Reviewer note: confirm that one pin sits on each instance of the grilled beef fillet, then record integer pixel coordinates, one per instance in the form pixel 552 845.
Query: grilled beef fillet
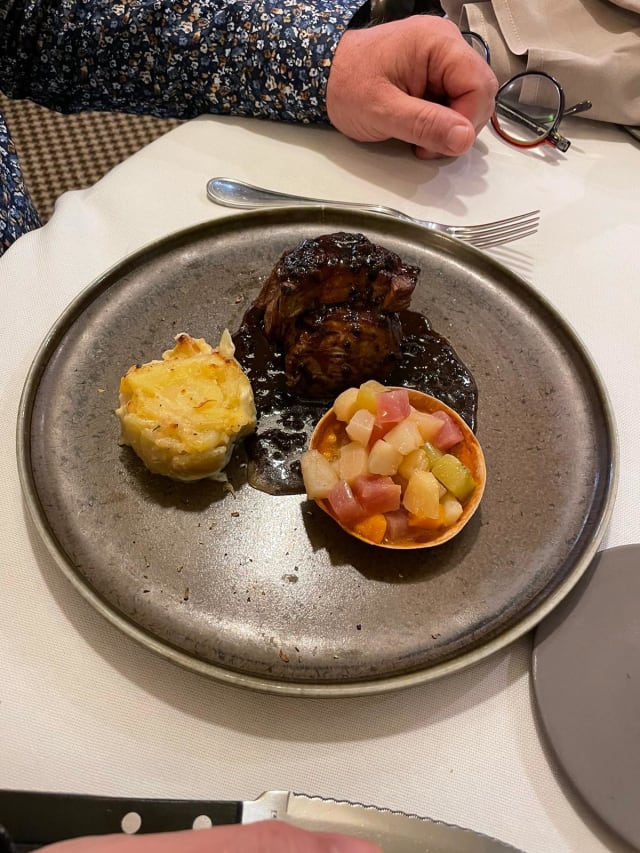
pixel 332 304
pixel 337 347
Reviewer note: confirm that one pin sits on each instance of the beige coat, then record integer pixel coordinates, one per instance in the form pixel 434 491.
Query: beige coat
pixel 592 47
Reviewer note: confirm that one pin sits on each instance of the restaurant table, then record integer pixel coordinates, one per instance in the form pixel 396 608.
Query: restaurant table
pixel 84 708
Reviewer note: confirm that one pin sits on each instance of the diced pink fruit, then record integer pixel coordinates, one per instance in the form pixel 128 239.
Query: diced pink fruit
pixel 377 494
pixel 346 507
pixel 379 431
pixel 450 433
pixel 393 406
pixel 397 525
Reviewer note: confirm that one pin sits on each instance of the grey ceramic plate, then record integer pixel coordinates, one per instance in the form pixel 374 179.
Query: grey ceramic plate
pixel 267 592
pixel 586 677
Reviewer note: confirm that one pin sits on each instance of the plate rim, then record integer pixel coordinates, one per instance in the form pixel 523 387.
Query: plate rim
pixel 313 215
pixel 544 634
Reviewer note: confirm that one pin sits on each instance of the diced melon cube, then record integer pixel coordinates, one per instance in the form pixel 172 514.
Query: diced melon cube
pixel 377 494
pixel 372 528
pixel 343 503
pixel 397 525
pixel 346 404
pixel 372 385
pixel 417 459
pixel 428 425
pixel 450 433
pixel 451 510
pixel 427 523
pixel 455 475
pixel 360 426
pixel 353 461
pixel 384 458
pixel 405 437
pixel 422 495
pixel 392 406
pixel 367 394
pixel 318 474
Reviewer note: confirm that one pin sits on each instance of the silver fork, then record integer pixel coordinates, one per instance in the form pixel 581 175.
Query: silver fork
pixel 231 193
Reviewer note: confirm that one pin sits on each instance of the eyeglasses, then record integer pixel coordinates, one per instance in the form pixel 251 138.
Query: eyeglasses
pixel 529 106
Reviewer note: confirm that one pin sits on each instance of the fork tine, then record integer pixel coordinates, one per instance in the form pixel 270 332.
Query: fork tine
pixel 499 232
pixel 502 232
pixel 500 238
pixel 499 226
pixel 509 219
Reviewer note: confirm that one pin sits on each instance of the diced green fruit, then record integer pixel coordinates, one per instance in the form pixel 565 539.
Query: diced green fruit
pixel 455 475
pixel 432 452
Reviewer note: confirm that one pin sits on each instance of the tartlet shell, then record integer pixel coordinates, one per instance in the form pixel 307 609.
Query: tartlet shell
pixel 470 453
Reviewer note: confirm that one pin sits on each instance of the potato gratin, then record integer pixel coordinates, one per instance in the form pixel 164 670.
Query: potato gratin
pixel 183 415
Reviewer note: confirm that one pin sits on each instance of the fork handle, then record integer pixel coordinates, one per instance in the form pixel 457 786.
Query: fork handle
pixel 231 193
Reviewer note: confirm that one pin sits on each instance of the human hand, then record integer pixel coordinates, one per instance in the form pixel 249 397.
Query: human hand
pixel 270 836
pixel 382 77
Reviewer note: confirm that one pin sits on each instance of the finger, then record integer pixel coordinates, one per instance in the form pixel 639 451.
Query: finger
pixel 447 70
pixel 263 837
pixel 433 128
pixel 477 110
pixel 469 83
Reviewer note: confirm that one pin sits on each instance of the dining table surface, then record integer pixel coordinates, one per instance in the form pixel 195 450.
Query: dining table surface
pixel 85 708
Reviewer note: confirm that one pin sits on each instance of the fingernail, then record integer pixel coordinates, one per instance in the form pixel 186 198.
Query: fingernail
pixel 458 139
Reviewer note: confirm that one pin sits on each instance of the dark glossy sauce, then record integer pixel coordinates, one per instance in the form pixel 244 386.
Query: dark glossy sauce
pixel 285 421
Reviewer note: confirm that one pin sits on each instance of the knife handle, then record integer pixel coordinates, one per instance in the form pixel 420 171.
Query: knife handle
pixel 34 818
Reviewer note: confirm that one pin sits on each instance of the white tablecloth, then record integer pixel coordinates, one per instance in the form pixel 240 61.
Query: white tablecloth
pixel 84 708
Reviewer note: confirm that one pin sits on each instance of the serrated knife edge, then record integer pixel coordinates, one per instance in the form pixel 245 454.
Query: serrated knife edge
pixel 401 831
pixel 36 818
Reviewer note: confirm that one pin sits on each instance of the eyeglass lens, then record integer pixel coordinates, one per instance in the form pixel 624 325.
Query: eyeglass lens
pixel 528 108
pixel 478 44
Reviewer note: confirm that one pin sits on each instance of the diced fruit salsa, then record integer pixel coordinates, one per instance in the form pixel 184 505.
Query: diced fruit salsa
pixel 394 467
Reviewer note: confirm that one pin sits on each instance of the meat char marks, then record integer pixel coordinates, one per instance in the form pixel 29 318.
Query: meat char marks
pixel 332 304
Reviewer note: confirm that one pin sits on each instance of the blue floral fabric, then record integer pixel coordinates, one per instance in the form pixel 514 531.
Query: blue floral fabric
pixel 167 58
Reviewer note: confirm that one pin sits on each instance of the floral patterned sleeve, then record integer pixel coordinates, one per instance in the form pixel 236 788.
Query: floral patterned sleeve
pixel 17 213
pixel 169 58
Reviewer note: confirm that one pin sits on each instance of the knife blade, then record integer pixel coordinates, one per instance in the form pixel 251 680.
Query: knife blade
pixel 34 818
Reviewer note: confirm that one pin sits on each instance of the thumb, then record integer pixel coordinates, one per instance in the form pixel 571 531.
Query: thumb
pixel 433 128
